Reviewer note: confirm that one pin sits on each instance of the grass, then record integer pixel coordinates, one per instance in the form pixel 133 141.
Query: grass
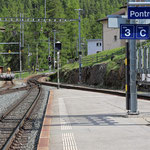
pixel 68 67
pixel 102 57
pixel 27 74
pixel 115 63
pixel 23 75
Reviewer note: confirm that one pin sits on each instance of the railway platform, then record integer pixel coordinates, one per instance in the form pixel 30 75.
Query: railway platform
pixel 82 120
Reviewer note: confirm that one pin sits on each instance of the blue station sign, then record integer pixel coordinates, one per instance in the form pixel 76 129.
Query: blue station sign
pixel 138 12
pixel 127 31
pixel 135 31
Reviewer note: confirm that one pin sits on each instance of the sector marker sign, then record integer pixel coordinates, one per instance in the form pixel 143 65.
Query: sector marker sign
pixel 135 31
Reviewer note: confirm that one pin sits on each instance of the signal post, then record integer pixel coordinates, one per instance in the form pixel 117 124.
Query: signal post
pixel 58 48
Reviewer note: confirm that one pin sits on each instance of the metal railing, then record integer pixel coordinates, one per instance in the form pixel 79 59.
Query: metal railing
pixel 143 60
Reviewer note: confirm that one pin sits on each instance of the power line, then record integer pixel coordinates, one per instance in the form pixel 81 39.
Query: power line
pixel 23 19
pixel 10 43
pixel 12 53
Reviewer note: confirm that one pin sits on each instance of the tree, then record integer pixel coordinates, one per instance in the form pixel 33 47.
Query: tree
pixel 67 32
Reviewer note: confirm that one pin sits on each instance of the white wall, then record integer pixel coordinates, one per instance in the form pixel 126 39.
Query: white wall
pixel 94 46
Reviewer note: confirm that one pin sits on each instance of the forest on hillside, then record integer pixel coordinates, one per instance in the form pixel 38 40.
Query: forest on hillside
pixel 36 34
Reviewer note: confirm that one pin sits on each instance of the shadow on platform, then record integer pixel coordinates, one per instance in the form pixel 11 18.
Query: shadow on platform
pixel 92 120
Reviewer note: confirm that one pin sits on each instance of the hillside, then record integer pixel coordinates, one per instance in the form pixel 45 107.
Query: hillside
pixel 105 69
pixel 36 34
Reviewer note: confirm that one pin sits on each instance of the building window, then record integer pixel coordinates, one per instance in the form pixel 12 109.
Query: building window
pixel 98 44
pixel 115 38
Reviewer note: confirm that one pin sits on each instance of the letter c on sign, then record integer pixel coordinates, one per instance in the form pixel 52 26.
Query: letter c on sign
pixel 143 33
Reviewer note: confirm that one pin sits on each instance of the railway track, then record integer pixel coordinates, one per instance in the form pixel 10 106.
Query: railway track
pixel 10 90
pixel 13 119
pixel 8 87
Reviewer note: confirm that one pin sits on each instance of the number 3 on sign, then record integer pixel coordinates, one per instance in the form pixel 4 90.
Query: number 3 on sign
pixel 127 32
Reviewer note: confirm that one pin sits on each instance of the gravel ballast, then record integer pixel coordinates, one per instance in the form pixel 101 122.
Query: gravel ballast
pixel 32 130
pixel 8 99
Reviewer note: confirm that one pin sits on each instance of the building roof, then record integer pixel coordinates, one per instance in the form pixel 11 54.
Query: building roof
pixel 120 12
pixel 89 40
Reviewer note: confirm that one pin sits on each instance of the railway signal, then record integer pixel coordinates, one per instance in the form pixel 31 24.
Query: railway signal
pixel 49 60
pixel 58 45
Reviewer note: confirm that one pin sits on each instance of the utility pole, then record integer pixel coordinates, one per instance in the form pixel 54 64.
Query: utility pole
pixel 133 88
pixel 77 49
pixel 49 53
pixel 37 58
pixel 80 52
pixel 49 46
pixel 132 59
pixel 20 47
pixel 22 31
pixel 54 47
pixel 45 8
pixel 58 79
pixel 28 58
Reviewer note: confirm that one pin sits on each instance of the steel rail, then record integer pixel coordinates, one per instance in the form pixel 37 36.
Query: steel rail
pixel 22 121
pixel 9 90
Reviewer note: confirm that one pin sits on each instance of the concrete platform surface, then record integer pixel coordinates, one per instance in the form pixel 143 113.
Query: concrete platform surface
pixel 81 120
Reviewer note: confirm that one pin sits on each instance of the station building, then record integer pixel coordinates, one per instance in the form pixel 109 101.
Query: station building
pixel 111 36
pixel 94 46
